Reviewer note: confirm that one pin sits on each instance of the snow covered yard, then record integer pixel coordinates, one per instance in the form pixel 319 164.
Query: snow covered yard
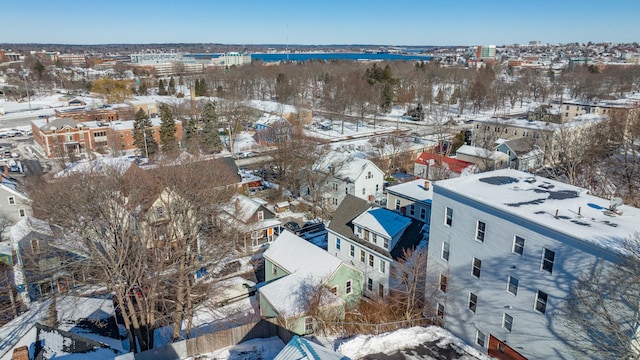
pixel 417 343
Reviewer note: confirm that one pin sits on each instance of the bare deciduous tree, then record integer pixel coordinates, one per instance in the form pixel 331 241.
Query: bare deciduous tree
pixel 602 311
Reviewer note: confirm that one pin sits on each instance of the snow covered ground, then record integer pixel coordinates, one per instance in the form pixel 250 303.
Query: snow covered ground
pixel 417 343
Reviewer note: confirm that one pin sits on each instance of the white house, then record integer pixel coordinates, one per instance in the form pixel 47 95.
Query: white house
pixel 505 249
pixel 412 199
pixel 353 176
pixel 371 239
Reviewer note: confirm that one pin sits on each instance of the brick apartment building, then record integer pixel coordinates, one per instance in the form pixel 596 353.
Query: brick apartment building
pixel 66 136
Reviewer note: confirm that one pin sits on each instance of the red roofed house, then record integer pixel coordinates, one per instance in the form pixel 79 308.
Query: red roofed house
pixel 437 167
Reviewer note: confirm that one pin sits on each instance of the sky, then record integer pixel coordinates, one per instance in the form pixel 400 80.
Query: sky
pixel 319 22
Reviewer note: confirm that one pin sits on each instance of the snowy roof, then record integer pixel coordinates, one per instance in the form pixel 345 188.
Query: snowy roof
pixel 270 119
pixel 271 106
pixel 242 207
pixel 383 221
pixel 353 169
pixel 543 125
pixel 303 349
pixel 14 333
pixel 454 165
pixel 308 265
pixel 552 204
pixel 294 254
pixel 479 152
pixel 121 164
pixel 414 190
pixel 28 224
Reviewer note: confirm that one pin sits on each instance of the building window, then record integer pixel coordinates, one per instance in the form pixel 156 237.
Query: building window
pixel 380 290
pixel 477 265
pixel 385 243
pixel 383 266
pixel 480 228
pixel 369 175
pixel 473 302
pixel 518 245
pixel 443 283
pixel 347 287
pixel 34 246
pixel 361 255
pixel 337 243
pixel 445 251
pixel 370 260
pixel 346 190
pixel 334 290
pixel 260 215
pixel 507 322
pixel 308 325
pixel 377 187
pixel 423 213
pixel 365 234
pixel 512 285
pixel 397 204
pixel 440 311
pixel 412 209
pixel 370 284
pixel 374 238
pixel 448 216
pixel 352 250
pixel 363 191
pixel 274 270
pixel 548 257
pixel 541 301
pixel 480 338
pixel 159 212
pixel 22 213
pixel 12 200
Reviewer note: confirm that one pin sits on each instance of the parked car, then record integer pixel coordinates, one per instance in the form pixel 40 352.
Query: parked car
pixel 293 226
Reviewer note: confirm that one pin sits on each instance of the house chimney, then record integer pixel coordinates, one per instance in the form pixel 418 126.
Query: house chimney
pixel 426 184
pixel 47 118
pixel 6 171
pixel 21 353
pixel 372 198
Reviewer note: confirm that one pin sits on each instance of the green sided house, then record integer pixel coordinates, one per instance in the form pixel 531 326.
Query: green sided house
pixel 304 283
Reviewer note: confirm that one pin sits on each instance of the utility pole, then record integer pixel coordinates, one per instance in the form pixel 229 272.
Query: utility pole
pixel 24 77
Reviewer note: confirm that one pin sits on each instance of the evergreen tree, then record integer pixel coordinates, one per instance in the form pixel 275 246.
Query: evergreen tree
pixel 161 88
pixel 210 138
pixel 197 87
pixel 190 139
pixel 142 134
pixel 142 90
pixel 167 130
pixel 172 86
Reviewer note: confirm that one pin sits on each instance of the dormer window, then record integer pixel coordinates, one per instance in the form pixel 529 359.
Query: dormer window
pixel 260 215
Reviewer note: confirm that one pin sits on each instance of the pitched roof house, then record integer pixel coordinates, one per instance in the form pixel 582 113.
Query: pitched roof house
pixel 300 274
pixel 437 167
pixel 372 239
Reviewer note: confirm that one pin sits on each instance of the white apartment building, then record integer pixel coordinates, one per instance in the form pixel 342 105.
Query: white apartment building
pixel 505 249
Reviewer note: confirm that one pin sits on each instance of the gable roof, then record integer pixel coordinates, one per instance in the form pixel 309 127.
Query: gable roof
pixel 522 146
pixel 479 152
pixel 60 124
pixel 29 224
pixel 303 349
pixel 454 165
pixel 349 209
pixel 308 266
pixel 382 221
pixel 414 190
pixel 295 254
